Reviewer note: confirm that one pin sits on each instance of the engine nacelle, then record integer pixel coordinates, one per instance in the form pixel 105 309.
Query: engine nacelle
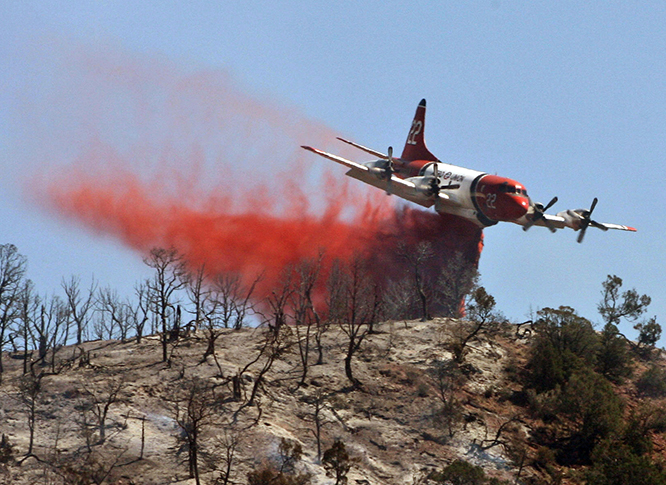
pixel 572 218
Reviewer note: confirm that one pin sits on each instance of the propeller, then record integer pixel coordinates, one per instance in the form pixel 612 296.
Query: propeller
pixel 586 220
pixel 434 184
pixel 389 170
pixel 539 213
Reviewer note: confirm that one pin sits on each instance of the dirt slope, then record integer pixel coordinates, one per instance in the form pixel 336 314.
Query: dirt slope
pixel 393 426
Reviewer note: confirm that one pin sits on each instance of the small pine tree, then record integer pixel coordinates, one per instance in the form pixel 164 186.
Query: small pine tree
pixel 6 450
pixel 613 357
pixel 649 332
pixel 615 464
pixel 460 472
pixel 652 383
pixel 594 412
pixel 337 462
pixel 565 342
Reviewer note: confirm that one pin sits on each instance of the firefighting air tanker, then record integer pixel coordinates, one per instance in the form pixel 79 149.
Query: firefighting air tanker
pixel 418 176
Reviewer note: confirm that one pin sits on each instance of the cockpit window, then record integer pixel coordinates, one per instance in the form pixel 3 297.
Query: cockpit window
pixel 512 189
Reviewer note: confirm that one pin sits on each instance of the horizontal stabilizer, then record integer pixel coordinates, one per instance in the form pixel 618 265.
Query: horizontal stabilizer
pixel 365 149
pixel 335 158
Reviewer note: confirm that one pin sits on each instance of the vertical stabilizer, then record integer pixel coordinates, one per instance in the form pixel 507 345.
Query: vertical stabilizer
pixel 415 147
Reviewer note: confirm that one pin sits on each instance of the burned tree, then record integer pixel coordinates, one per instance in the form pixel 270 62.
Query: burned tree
pixel 226 306
pixel 100 401
pixel 337 462
pixel 275 341
pixel 48 329
pixel 30 389
pixel 354 305
pixel 12 272
pixel 198 295
pixel 273 345
pixel 119 312
pixel 29 313
pixel 228 443
pixel 456 280
pixel 194 408
pixel 80 306
pixel 481 314
pixel 232 299
pixel 305 314
pixel 139 313
pixel 316 417
pixel 417 259
pixel 169 277
pixel 447 379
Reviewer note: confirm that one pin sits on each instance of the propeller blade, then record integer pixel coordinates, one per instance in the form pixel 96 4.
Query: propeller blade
pixel 582 234
pixel 550 204
pixel 389 171
pixel 587 221
pixel 594 204
pixel 598 225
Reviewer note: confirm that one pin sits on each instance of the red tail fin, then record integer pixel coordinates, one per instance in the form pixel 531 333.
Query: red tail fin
pixel 415 148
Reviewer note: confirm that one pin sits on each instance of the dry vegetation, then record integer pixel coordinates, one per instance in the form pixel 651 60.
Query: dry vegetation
pixel 320 393
pixel 414 410
pixel 393 425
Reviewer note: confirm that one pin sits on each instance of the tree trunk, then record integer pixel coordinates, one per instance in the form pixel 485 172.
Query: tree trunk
pixel 2 339
pixel 348 368
pixel 164 340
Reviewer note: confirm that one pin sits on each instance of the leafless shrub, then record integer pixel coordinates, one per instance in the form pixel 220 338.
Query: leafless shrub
pixel 194 407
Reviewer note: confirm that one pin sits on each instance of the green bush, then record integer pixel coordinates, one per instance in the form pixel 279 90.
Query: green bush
pixel 593 413
pixel 613 357
pixel 615 464
pixel 653 382
pixel 565 342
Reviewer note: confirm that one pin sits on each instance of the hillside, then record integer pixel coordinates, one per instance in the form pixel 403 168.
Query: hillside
pixel 415 411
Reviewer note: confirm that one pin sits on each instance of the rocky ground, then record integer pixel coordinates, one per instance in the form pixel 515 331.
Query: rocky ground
pixel 395 426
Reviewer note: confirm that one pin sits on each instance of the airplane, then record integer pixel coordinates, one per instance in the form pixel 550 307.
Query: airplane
pixel 420 177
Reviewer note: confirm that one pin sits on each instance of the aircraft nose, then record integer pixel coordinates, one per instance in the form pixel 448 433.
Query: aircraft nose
pixel 515 207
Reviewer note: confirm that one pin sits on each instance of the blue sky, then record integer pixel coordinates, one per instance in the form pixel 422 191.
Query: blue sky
pixel 568 98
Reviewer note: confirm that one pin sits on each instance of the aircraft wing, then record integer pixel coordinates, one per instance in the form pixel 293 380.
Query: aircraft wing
pixel 548 220
pixel 620 227
pixel 400 187
pixel 573 220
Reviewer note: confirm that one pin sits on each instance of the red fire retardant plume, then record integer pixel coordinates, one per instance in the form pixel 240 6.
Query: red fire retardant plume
pixel 176 156
pixel 256 242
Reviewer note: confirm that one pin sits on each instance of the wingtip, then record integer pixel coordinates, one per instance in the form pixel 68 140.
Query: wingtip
pixel 423 103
